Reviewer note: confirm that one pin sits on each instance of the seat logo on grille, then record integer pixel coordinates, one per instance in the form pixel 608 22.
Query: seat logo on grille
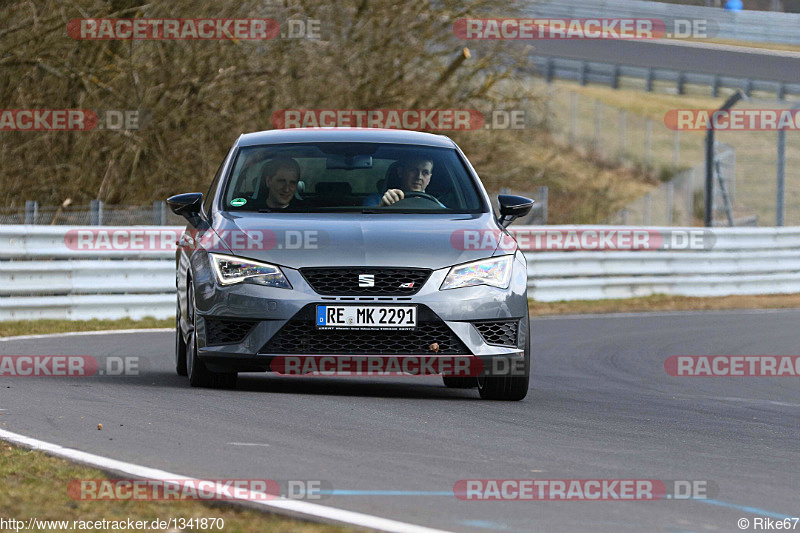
pixel 366 280
pixel 409 285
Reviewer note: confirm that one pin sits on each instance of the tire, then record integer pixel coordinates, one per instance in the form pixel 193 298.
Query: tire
pixel 199 374
pixel 509 388
pixel 180 345
pixel 454 382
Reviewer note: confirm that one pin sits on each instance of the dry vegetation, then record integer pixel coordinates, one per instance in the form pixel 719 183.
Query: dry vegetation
pixel 198 96
pixel 35 485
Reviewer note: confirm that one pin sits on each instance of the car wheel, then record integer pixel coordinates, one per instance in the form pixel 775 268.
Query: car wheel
pixel 509 388
pixel 453 382
pixel 180 345
pixel 199 374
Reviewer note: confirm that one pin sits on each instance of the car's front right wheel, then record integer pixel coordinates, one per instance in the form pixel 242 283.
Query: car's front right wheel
pixel 180 345
pixel 198 372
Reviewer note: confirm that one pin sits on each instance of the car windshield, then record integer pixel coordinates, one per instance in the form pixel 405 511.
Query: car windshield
pixel 323 177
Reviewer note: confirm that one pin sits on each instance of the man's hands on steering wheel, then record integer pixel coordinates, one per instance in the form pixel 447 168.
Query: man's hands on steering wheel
pixel 393 197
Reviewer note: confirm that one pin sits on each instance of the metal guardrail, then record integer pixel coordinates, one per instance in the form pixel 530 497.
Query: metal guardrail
pixel 586 72
pixel 743 261
pixel 41 277
pixel 758 26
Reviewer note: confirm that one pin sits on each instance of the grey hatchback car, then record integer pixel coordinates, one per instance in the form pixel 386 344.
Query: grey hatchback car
pixel 344 243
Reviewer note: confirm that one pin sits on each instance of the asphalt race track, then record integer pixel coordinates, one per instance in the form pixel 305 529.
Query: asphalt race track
pixel 601 406
pixel 768 65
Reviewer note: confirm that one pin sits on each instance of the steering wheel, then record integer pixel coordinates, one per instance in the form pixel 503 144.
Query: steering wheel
pixel 416 197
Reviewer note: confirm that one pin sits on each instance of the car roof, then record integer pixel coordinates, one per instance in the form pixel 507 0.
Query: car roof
pixel 373 135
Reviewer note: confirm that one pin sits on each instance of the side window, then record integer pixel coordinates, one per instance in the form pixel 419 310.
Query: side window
pixel 209 198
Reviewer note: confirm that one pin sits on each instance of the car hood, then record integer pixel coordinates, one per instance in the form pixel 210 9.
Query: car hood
pixel 355 239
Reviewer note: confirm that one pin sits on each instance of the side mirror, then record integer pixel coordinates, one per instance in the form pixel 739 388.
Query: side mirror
pixel 186 204
pixel 513 207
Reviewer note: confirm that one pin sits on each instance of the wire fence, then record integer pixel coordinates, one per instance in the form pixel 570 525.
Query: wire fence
pixel 94 214
pixel 755 26
pixel 746 172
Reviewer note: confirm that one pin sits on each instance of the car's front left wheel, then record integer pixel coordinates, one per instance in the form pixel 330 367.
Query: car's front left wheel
pixel 513 387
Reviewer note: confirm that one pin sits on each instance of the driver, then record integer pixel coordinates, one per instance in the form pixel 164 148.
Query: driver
pixel 415 174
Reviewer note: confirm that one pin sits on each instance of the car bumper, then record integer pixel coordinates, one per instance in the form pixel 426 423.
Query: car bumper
pixel 259 313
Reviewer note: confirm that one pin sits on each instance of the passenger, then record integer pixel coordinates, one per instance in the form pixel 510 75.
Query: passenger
pixel 281 176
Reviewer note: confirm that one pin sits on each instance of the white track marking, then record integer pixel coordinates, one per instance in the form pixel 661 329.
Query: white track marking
pixel 729 48
pixel 239 443
pixel 292 507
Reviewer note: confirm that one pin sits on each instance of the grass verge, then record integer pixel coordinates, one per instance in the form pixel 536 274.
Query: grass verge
pixel 35 486
pixel 749 44
pixel 658 302
pixel 665 303
pixel 41 327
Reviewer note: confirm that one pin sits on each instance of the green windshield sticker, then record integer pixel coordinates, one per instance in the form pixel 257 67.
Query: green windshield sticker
pixel 238 202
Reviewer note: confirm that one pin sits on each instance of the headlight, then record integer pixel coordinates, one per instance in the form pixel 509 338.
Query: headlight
pixel 495 272
pixel 231 270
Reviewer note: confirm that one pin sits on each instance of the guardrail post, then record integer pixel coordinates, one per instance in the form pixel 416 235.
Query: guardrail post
pixel 748 88
pixel 780 205
pixel 715 86
pixel 584 74
pixel 681 83
pixel 615 78
pixel 550 69
pixel 690 190
pixel 650 78
pixel 543 199
pixel 781 91
pixel 31 211
pixel 96 213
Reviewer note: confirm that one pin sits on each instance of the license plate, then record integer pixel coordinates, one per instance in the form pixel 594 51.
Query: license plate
pixel 366 316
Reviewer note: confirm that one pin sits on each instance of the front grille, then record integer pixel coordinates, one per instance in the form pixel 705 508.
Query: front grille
pixel 220 331
pixel 345 281
pixel 300 335
pixel 501 333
